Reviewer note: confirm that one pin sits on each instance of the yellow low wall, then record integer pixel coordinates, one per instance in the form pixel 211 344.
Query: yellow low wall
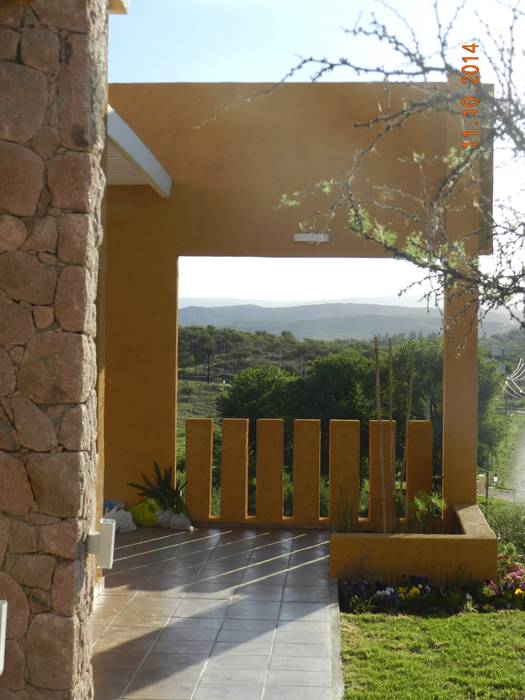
pixel 468 556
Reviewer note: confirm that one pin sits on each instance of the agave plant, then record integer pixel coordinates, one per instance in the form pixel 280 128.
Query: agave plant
pixel 169 495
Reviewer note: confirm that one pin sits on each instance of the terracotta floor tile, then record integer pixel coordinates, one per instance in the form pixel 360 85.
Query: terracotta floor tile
pixel 216 615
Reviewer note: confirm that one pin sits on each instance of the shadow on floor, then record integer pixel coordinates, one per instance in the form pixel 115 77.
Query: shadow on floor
pixel 218 615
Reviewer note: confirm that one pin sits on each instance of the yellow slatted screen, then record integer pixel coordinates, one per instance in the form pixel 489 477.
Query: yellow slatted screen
pixel 418 457
pixel 234 470
pixel 344 473
pixel 374 479
pixel 306 471
pixel 269 470
pixel 199 456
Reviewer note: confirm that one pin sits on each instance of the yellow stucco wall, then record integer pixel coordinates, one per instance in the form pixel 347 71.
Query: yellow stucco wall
pixel 228 176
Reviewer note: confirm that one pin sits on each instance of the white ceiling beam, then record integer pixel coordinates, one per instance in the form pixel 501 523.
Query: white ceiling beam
pixel 141 160
pixel 118 7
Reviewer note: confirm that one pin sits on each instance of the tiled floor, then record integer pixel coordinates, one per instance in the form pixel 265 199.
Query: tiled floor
pixel 218 615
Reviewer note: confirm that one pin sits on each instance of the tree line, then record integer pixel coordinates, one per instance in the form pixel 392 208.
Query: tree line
pixel 218 354
pixel 341 385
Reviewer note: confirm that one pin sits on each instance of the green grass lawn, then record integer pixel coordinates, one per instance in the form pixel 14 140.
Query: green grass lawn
pixel 199 402
pixel 472 655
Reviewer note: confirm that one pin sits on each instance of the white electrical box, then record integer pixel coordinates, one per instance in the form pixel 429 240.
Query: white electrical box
pixel 106 549
pixel 102 543
pixel 312 237
pixel 3 631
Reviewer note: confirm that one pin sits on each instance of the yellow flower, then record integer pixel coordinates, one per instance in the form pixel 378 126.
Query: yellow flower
pixel 413 592
pixel 519 592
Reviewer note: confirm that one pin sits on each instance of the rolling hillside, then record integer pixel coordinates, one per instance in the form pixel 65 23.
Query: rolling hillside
pixel 328 321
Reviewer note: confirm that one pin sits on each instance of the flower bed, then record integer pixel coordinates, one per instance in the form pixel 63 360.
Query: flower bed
pixel 415 594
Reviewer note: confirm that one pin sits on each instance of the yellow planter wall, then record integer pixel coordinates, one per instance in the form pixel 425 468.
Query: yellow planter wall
pixel 465 557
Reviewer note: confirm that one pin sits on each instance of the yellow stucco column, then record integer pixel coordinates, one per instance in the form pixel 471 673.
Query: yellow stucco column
pixel 460 397
pixel 460 335
pixel 141 352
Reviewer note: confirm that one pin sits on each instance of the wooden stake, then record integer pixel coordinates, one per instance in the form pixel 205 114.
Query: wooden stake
pixel 392 485
pixel 409 411
pixel 380 437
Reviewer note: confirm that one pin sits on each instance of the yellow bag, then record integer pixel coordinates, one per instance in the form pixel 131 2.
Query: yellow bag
pixel 145 513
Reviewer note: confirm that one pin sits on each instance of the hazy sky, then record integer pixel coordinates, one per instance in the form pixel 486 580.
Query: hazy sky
pixel 257 40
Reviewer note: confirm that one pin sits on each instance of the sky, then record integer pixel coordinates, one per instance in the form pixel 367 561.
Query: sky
pixel 259 40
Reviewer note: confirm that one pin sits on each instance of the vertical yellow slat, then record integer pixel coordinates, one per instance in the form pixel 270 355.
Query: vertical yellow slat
pixel 269 471
pixel 374 476
pixel 234 470
pixel 418 458
pixel 344 472
pixel 199 457
pixel 306 471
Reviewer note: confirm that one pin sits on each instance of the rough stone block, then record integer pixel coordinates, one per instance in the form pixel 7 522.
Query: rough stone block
pixel 16 496
pixel 39 600
pixel 11 13
pixel 33 570
pixel 57 480
pixel 8 437
pixel 48 258
pixel 23 538
pixel 60 539
pixel 8 44
pixel 69 180
pixel 35 428
pixel 75 431
pixel 74 96
pixel 65 14
pixel 7 373
pixel 23 277
pixel 58 368
pixel 5 524
pixel 21 179
pixel 44 236
pixel 40 49
pixel 56 413
pixel 75 237
pixel 45 143
pixel 71 303
pixel 15 664
pixel 13 233
pixel 18 616
pixel 16 326
pixel 16 354
pixel 41 519
pixel 58 695
pixel 44 316
pixel 6 407
pixel 67 582
pixel 24 102
pixel 51 651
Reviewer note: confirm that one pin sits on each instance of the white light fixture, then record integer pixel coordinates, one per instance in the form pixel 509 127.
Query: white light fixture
pixel 102 543
pixel 3 631
pixel 312 237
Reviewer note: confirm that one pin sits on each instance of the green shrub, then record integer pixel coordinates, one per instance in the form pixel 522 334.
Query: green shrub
pixel 508 522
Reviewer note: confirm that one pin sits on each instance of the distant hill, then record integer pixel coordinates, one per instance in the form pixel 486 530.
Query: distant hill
pixel 403 300
pixel 329 321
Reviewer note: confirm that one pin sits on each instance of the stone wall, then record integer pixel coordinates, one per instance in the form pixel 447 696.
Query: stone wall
pixel 52 103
